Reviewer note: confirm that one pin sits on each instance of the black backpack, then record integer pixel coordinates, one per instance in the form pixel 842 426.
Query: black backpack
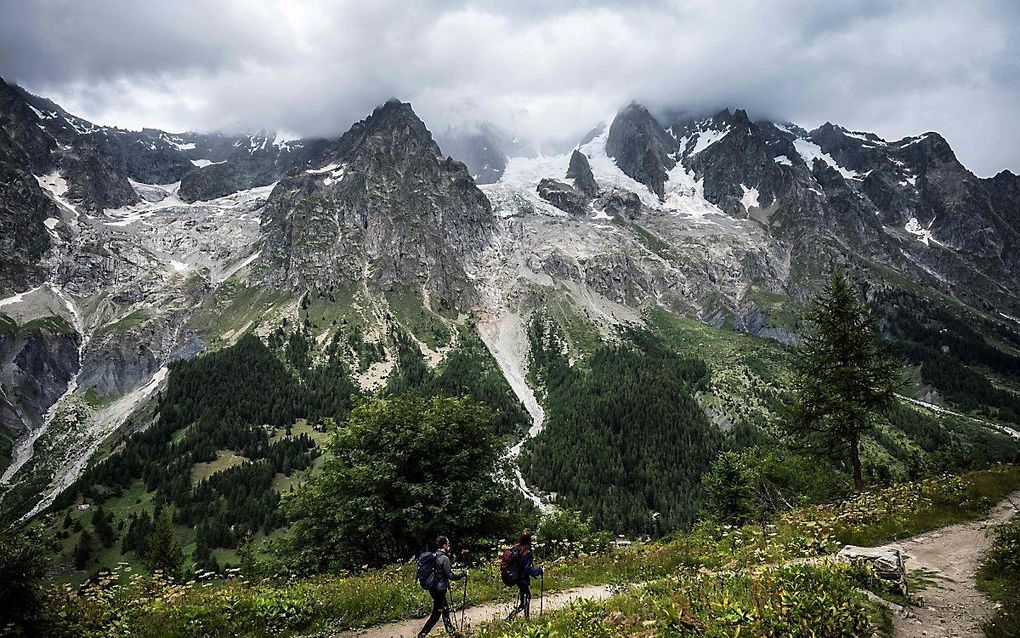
pixel 426 571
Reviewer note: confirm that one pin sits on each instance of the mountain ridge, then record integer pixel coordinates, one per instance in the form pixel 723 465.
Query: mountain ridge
pixel 721 218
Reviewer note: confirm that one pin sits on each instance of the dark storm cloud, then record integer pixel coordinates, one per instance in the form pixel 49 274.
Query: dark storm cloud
pixel 546 70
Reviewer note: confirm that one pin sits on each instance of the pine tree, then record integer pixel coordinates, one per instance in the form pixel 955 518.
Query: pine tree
pixel 83 550
pixel 728 490
pixel 164 549
pixel 844 377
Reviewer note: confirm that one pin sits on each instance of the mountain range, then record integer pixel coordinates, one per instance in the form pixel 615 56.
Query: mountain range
pixel 124 251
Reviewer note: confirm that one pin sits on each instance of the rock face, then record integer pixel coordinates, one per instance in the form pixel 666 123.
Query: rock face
pixel 23 212
pixel 36 363
pixel 258 161
pixel 886 564
pixel 379 204
pixel 641 147
pixel 95 180
pixel 580 171
pixel 21 125
pixel 563 196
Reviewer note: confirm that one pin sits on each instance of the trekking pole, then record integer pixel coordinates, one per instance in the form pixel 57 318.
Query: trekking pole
pixel 541 596
pixel 463 604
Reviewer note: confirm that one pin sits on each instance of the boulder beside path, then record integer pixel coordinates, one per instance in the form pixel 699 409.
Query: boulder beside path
pixel 885 562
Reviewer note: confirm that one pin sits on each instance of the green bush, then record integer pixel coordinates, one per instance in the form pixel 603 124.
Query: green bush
pixel 793 602
pixel 1000 577
pixel 403 471
pixel 755 484
pixel 563 526
pixel 21 567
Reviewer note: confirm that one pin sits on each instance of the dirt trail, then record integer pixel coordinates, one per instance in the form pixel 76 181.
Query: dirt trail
pixel 474 616
pixel 953 607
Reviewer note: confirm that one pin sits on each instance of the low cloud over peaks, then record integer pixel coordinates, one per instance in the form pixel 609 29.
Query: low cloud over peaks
pixel 545 71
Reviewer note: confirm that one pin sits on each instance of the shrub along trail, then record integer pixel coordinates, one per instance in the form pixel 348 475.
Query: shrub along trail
pixel 953 606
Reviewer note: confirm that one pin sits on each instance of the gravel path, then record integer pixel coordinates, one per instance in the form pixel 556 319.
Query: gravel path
pixel 474 616
pixel 953 607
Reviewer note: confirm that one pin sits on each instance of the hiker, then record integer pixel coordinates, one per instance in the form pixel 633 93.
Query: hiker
pixel 438 583
pixel 523 574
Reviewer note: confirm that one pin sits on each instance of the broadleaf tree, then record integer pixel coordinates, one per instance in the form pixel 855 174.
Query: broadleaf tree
pixel 844 377
pixel 401 471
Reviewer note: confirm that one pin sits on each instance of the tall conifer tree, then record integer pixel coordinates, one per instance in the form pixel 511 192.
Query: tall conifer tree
pixel 844 377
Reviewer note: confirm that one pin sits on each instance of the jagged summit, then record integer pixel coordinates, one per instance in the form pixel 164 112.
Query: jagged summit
pixel 580 171
pixel 641 147
pixel 382 201
pixel 392 134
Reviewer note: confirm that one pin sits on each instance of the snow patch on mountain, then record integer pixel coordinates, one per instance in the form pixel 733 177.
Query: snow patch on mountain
pixel 527 172
pixel 703 139
pixel 202 163
pixel 56 187
pixel 334 172
pixel 177 142
pixel 20 297
pixel 923 233
pixel 782 159
pixel 750 198
pixel 40 114
pixel 286 141
pixel 870 140
pixel 685 195
pixel 809 152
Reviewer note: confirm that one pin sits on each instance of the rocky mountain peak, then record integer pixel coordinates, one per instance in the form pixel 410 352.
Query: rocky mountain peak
pixel 382 203
pixel 641 147
pixel 391 129
pixel 927 149
pixel 579 170
pixel 22 125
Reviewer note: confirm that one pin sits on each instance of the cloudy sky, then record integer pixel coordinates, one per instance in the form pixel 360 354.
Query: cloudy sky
pixel 542 69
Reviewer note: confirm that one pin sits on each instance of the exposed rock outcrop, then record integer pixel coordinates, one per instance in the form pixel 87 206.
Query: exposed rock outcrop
pixel 885 563
pixel 641 147
pixel 24 210
pixel 380 204
pixel 563 196
pixel 580 171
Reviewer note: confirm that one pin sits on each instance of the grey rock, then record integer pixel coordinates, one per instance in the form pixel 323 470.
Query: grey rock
pixel 563 196
pixel 393 210
pixel 580 171
pixel 619 202
pixel 36 364
pixel 23 208
pixel 641 147
pixel 885 563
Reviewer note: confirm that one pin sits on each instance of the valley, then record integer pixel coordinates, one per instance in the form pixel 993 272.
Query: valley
pixel 193 326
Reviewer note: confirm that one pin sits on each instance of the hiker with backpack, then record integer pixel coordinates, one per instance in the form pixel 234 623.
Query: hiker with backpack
pixel 434 573
pixel 517 568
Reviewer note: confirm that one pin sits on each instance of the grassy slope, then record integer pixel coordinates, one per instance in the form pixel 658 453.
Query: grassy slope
pixel 327 603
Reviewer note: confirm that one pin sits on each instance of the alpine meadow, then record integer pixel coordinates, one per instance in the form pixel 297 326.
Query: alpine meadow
pixel 509 320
